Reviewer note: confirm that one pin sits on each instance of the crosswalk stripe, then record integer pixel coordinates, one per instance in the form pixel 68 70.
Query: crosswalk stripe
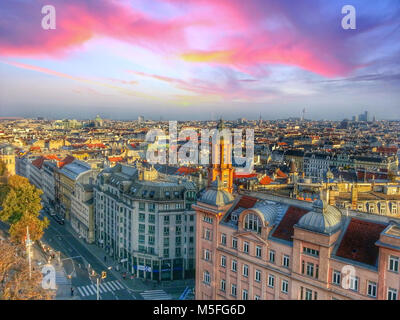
pixel 103 287
pixel 106 285
pixel 118 284
pixel 111 285
pixel 155 295
pixel 94 288
pixel 81 292
pixel 86 293
pixel 89 289
pixel 100 289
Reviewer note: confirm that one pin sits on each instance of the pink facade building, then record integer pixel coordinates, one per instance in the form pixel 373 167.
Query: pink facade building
pixel 250 247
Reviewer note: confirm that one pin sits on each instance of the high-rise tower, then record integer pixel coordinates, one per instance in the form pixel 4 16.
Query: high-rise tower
pixel 223 168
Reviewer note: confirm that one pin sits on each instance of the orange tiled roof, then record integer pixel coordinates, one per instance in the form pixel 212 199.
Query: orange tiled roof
pixel 358 243
pixel 285 229
pixel 246 202
pixel 266 180
pixel 115 159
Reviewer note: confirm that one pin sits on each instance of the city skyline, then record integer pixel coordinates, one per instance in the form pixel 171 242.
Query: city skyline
pixel 186 60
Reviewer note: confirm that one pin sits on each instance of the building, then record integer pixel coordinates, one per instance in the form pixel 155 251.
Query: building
pixel 69 175
pixel 7 155
pixel 266 247
pixel 145 221
pixel 82 208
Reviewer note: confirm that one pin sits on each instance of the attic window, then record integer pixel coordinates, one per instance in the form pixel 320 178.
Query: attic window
pixel 167 194
pixel 151 194
pixel 144 193
pixel 176 194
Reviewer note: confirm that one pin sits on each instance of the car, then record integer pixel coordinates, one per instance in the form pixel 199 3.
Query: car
pixel 58 219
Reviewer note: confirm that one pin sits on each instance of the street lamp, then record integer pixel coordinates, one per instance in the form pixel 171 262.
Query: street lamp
pixel 98 277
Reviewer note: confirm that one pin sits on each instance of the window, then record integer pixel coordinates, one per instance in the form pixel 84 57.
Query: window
pixel 285 261
pixel 258 252
pixel 234 243
pixel 308 294
pixel 207 255
pixel 234 265
pixel 393 264
pixel 354 283
pixel 166 231
pixel 257 276
pixel 152 229
pixel 271 280
pixel 223 285
pixel 272 256
pixel 207 234
pixel 245 295
pixel 392 294
pixel 310 269
pixel 252 222
pixel 223 261
pixel 166 253
pixel 371 291
pixel 223 239
pixel 336 277
pixel 152 218
pixel 245 270
pixel 142 217
pixel 206 277
pixel 142 206
pixel 285 286
pixel 311 252
pixel 207 219
pixel 233 290
pixel 166 219
pixel 245 247
pixel 178 229
pixel 141 227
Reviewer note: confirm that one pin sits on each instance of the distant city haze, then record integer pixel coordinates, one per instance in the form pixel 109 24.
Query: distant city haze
pixel 200 60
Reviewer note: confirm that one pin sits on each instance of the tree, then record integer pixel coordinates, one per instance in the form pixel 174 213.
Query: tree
pixel 21 208
pixel 15 283
pixel 36 228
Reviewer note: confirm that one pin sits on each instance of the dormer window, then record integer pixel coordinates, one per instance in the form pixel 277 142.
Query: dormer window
pixel 252 222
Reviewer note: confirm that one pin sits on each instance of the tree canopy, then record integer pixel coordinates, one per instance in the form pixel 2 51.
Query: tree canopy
pixel 21 208
pixel 15 283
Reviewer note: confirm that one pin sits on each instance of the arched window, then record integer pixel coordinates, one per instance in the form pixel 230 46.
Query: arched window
pixel 252 222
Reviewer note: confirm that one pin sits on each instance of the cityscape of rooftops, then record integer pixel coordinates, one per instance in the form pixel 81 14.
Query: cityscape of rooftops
pixel 114 116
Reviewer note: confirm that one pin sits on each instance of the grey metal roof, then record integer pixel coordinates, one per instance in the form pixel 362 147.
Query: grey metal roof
pixel 323 218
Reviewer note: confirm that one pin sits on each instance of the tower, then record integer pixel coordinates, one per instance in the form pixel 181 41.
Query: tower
pixel 223 169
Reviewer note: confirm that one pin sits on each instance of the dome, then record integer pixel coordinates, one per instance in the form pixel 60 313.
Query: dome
pixel 323 218
pixel 7 150
pixel 216 196
pixel 269 210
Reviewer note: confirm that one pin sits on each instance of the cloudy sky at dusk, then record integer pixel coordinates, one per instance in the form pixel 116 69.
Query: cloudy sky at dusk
pixel 197 59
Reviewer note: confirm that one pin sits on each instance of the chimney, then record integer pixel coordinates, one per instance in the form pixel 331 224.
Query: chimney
pixel 354 197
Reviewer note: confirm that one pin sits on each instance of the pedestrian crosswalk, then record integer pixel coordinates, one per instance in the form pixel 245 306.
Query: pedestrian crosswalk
pixel 91 290
pixel 61 278
pixel 155 295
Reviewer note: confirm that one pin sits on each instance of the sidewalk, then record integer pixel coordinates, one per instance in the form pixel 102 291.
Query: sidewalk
pixel 135 284
pixel 63 284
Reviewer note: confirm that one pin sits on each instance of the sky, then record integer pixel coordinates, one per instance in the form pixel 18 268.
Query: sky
pixel 199 59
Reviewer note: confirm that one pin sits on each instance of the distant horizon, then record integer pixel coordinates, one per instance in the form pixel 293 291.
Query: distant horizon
pixel 182 120
pixel 200 59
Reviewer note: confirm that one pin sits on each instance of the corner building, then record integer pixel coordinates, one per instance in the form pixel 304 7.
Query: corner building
pixel 251 248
